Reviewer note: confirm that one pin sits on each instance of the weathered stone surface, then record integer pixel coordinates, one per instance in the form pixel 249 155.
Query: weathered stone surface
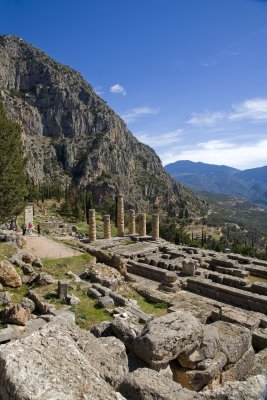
pixel 102 329
pixel 51 364
pixel 146 384
pixel 126 330
pixel 94 293
pixel 10 332
pixel 259 338
pixel 41 305
pixel 16 314
pixel 191 359
pixel 236 316
pixel 235 340
pixel 72 299
pixel 252 389
pixel 8 275
pixel 104 275
pixel 44 279
pixel 28 304
pixel 211 341
pixel 241 368
pixel 189 267
pixel 106 302
pixel 4 298
pixel 198 378
pixel 166 337
pixel 37 263
pixel 62 289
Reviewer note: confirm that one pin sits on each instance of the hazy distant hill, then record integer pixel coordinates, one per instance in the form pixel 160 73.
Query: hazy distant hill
pixel 251 183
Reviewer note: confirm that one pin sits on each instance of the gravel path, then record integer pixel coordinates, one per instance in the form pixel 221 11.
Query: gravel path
pixel 43 247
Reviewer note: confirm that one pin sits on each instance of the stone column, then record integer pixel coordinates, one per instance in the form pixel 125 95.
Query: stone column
pixel 92 225
pixel 62 289
pixel 142 224
pixel 131 222
pixel 155 226
pixel 120 214
pixel 107 230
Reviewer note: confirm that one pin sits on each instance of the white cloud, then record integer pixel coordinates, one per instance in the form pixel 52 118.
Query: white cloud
pixel 249 110
pixel 254 109
pixel 221 153
pixel 206 119
pixel 161 140
pixel 139 112
pixel 117 88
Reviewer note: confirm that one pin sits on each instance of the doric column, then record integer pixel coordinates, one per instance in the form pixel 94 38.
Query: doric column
pixel 155 226
pixel 92 225
pixel 131 222
pixel 142 224
pixel 107 230
pixel 120 215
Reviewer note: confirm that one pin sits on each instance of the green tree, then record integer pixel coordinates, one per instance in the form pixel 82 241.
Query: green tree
pixel 13 187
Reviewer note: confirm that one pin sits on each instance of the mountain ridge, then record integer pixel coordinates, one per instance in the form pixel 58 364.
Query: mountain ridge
pixel 250 183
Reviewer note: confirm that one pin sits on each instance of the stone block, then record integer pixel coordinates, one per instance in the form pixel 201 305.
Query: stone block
pixel 235 340
pixel 237 371
pixel 166 337
pixel 198 378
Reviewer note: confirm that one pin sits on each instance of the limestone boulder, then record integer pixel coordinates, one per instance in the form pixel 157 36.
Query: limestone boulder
pixel 235 340
pixel 106 302
pixel 126 330
pixel 28 304
pixel 209 347
pixel 198 378
pixel 237 371
pixel 51 364
pixel 4 298
pixel 102 329
pixel 16 315
pixel 8 275
pixel 252 389
pixel 37 263
pixel 146 384
pixel 166 337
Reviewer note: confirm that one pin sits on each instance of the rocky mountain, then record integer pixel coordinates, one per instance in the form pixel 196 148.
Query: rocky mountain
pixel 250 183
pixel 71 135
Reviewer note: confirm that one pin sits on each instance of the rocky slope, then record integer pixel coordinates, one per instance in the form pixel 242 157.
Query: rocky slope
pixel 71 136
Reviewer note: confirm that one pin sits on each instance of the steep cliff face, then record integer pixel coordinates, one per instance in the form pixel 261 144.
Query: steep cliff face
pixel 71 135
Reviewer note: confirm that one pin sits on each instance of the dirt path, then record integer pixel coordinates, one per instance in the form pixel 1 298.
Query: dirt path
pixel 43 247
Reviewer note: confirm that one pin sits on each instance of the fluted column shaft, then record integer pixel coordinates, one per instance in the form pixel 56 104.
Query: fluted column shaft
pixel 155 226
pixel 131 222
pixel 107 229
pixel 142 224
pixel 92 225
pixel 120 215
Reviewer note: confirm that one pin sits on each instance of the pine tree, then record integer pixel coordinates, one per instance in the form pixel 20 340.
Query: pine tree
pixel 13 187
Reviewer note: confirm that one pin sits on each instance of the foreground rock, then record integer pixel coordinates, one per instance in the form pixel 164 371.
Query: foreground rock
pixel 61 362
pixel 8 275
pixel 166 337
pixel 146 384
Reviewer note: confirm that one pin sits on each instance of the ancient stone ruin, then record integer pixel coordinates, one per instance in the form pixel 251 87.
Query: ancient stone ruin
pixel 210 342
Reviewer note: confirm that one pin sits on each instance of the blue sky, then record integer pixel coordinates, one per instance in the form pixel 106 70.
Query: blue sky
pixel 188 76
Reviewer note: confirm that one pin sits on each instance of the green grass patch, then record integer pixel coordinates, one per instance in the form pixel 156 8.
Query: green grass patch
pixel 17 294
pixel 6 250
pixel 253 279
pixel 58 267
pixel 87 313
pixel 156 309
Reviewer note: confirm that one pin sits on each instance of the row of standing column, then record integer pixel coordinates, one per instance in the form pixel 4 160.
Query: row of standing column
pixel 120 223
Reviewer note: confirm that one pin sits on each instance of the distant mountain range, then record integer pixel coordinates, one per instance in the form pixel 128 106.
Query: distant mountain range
pixel 250 183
